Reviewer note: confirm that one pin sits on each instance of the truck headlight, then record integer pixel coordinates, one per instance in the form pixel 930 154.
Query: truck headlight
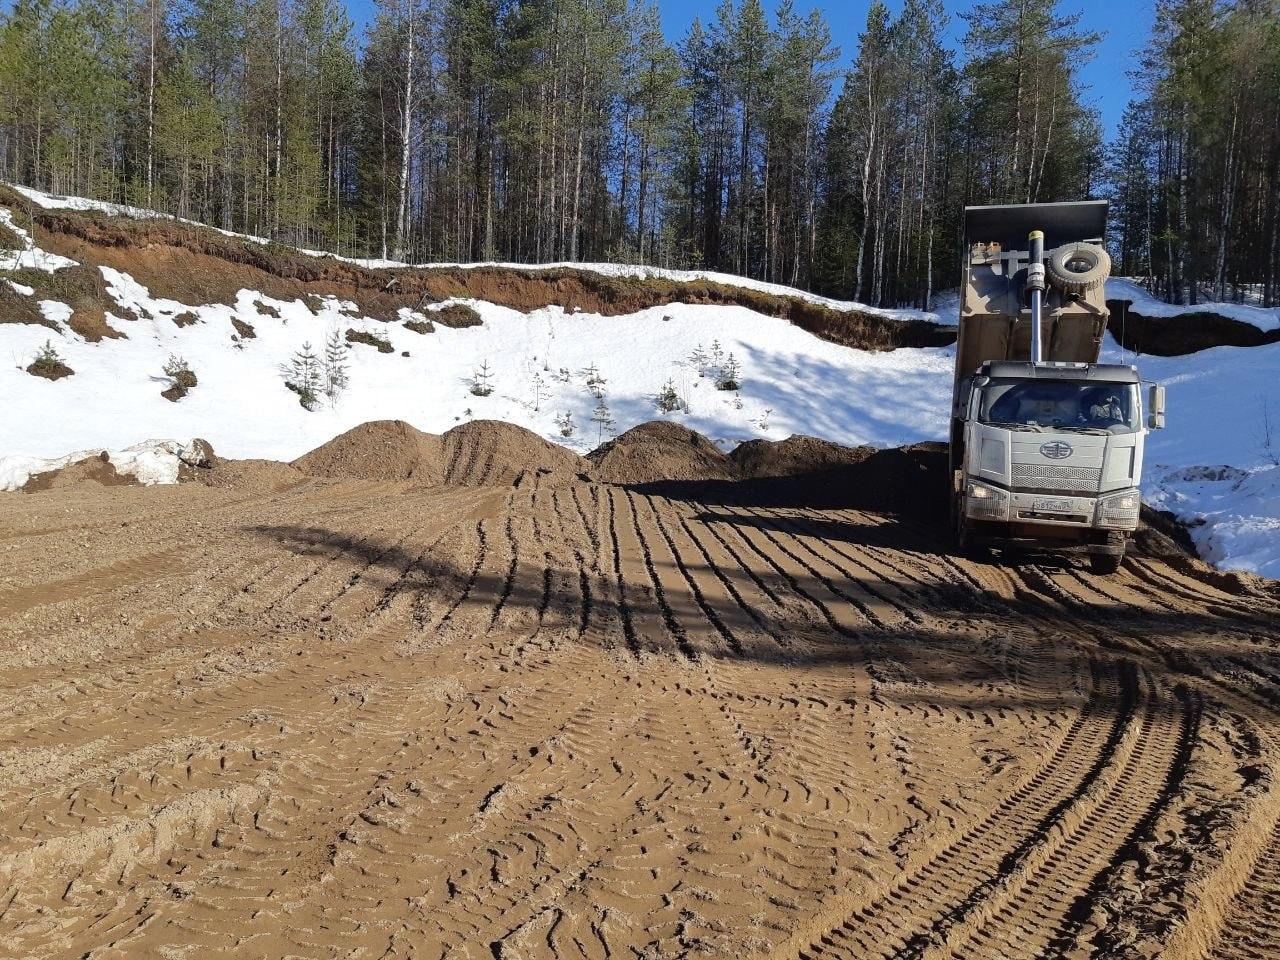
pixel 986 503
pixel 1120 509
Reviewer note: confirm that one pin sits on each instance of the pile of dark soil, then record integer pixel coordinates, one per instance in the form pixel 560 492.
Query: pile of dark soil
pixel 668 459
pixel 660 452
pixel 183 381
pixel 1161 534
pixel 457 315
pixel 794 456
pixel 911 481
pixel 378 450
pixel 359 336
pixel 493 453
pixel 254 475
pixel 49 369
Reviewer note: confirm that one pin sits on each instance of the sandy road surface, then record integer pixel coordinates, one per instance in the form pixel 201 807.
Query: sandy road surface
pixel 362 720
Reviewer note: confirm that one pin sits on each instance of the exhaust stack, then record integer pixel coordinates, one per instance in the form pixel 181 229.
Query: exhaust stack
pixel 1035 283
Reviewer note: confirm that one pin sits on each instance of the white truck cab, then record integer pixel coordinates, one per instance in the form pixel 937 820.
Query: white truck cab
pixel 1046 443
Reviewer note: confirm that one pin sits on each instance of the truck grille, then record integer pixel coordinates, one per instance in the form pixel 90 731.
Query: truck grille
pixel 1051 476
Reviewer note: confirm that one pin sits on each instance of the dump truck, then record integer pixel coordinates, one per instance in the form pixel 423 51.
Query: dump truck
pixel 1046 443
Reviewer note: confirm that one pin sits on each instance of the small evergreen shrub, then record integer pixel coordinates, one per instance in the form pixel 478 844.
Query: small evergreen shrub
pixel 730 375
pixel 179 371
pixel 668 400
pixel 49 364
pixel 482 381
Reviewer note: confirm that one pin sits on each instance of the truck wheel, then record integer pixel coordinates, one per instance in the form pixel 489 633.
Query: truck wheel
pixel 1078 267
pixel 963 532
pixel 1105 564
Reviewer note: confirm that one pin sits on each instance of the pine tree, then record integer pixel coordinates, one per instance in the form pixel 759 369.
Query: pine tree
pixel 532 130
pixel 602 417
pixel 304 376
pixel 336 357
pixel 482 380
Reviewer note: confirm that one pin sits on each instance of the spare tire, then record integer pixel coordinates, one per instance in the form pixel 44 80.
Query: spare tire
pixel 1078 267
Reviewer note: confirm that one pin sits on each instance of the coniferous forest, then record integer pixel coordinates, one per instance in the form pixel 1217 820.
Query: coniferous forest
pixel 545 130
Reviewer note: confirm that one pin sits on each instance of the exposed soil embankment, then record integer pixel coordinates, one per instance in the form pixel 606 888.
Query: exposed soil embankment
pixel 1182 334
pixel 196 265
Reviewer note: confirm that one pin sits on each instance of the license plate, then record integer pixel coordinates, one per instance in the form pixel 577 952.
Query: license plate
pixel 1051 506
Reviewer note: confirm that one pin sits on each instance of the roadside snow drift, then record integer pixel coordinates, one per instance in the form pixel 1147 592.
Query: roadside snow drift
pixel 148 463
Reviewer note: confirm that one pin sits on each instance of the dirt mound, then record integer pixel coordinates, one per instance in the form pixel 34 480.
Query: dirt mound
pixel 910 481
pixel 98 471
pixel 259 476
pixel 378 450
pixel 492 453
pixel 794 456
pixel 658 452
pixel 671 460
pixel 479 453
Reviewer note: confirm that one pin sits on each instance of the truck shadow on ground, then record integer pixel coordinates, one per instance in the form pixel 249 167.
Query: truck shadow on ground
pixel 939 637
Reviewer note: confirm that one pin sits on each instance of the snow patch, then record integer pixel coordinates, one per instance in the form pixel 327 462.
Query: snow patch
pixel 30 257
pixel 56 311
pixel 149 463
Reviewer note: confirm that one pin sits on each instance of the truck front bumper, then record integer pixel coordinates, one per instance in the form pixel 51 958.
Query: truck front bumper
pixel 1033 538
pixel 1040 513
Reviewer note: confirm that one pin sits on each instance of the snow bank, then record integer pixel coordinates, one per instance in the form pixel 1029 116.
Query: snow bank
pixel 149 463
pixel 1220 403
pixel 1234 514
pixel 1123 288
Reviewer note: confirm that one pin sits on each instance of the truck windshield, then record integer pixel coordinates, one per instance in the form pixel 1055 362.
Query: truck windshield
pixel 1087 407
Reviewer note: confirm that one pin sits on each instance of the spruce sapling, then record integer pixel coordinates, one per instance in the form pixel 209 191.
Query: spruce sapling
pixel 668 399
pixel 304 377
pixel 729 375
pixel 602 418
pixel 482 380
pixel 336 352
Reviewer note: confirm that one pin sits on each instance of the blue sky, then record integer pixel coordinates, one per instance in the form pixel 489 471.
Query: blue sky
pixel 1124 23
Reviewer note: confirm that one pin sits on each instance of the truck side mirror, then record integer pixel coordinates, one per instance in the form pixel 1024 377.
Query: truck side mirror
pixel 1155 407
